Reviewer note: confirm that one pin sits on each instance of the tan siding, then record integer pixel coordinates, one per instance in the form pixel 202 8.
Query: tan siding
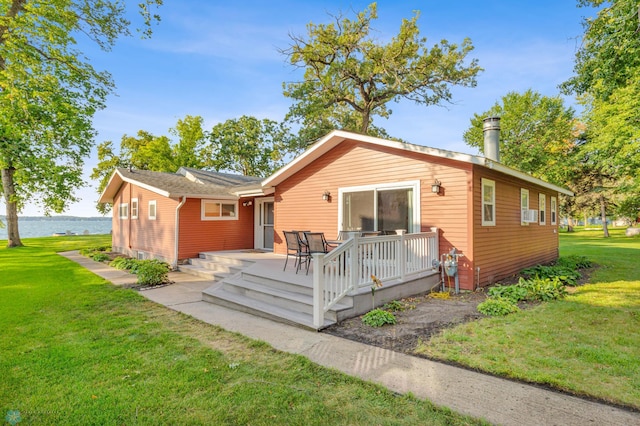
pixel 503 250
pixel 197 235
pixel 299 203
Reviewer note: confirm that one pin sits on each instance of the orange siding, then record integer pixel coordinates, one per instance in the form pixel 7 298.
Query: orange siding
pixel 155 238
pixel 503 250
pixel 197 235
pixel 299 203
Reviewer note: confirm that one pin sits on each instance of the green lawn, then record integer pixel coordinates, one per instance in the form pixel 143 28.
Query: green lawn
pixel 77 350
pixel 587 343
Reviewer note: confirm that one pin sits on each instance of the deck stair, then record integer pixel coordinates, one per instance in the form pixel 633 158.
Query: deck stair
pixel 263 289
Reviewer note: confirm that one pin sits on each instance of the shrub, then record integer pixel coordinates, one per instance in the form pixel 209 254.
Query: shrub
pixel 497 307
pixel 514 293
pixel 378 317
pixel 394 306
pixel 100 257
pixel 152 272
pixel 574 262
pixel 568 275
pixel 123 263
pixel 544 289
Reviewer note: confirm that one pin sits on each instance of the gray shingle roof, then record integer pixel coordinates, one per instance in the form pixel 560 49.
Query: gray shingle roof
pixel 185 182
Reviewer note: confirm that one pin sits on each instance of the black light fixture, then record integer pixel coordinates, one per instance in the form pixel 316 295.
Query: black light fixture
pixel 247 203
pixel 435 187
pixel 326 195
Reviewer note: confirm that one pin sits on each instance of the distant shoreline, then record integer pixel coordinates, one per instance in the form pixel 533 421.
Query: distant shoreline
pixel 59 218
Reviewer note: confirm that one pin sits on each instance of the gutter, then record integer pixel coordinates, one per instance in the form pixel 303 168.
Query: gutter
pixel 177 235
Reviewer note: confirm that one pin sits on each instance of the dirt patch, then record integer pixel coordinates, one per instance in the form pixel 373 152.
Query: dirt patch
pixel 423 317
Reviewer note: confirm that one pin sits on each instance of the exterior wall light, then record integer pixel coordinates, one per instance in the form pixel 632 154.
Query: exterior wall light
pixel 247 203
pixel 326 196
pixel 435 187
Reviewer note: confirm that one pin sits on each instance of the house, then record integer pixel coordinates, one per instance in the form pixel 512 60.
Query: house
pixel 495 219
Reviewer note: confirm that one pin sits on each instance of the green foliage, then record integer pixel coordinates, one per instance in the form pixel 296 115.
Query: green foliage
pixel 574 261
pixel 378 317
pixel 512 293
pixel 544 289
pixel 152 272
pixel 100 257
pixel 248 146
pixel 567 275
pixel 394 306
pixel 497 307
pixel 350 77
pixel 124 263
pixel 537 134
pixel 50 94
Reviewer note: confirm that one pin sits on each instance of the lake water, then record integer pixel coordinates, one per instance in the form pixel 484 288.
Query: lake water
pixel 46 226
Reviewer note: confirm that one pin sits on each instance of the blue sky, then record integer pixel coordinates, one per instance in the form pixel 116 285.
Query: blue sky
pixel 221 60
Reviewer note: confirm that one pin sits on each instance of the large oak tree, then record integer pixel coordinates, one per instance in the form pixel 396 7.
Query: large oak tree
pixel 49 93
pixel 350 77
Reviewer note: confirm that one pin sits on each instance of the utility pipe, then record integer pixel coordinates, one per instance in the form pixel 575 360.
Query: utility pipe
pixel 177 233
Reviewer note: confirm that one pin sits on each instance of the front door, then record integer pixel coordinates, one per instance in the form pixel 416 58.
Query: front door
pixel 264 220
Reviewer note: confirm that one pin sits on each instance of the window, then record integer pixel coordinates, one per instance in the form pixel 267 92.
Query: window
pixel 488 202
pixel 554 209
pixel 542 206
pixel 219 210
pixel 524 204
pixel 123 210
pixel 384 208
pixel 134 208
pixel 152 210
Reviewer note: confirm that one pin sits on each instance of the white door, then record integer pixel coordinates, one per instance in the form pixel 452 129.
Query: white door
pixel 264 220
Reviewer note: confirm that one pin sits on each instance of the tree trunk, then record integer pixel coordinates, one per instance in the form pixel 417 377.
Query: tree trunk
pixel 570 224
pixel 9 192
pixel 603 216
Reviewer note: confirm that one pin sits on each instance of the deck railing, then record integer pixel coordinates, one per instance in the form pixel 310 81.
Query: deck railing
pixel 351 265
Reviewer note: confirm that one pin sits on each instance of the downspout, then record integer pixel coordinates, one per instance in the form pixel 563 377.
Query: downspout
pixel 176 241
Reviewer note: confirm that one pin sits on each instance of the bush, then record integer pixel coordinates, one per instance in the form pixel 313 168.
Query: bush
pixel 497 307
pixel 124 263
pixel 544 289
pixel 152 272
pixel 568 275
pixel 100 257
pixel 378 317
pixel 574 262
pixel 514 293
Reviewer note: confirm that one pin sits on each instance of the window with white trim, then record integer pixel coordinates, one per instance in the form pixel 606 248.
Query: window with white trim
pixel 134 208
pixel 123 211
pixel 488 202
pixel 524 204
pixel 219 210
pixel 554 211
pixel 152 210
pixel 385 207
pixel 542 206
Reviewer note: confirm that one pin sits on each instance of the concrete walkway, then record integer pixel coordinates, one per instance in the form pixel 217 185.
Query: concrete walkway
pixel 498 401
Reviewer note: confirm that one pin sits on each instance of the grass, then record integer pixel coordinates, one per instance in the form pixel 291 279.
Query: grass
pixel 585 344
pixel 78 350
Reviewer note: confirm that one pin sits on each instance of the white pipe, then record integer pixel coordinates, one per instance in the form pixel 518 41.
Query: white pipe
pixel 177 233
pixel 478 280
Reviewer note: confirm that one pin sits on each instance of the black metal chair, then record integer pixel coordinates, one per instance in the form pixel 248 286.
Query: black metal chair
pixel 317 243
pixel 296 247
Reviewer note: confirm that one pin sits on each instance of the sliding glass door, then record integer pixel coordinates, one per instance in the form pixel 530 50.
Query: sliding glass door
pixel 382 208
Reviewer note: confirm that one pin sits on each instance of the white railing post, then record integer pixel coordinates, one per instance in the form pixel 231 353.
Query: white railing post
pixel 354 263
pixel 318 290
pixel 402 250
pixel 436 244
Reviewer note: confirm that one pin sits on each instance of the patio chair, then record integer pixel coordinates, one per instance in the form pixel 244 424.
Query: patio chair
pixel 317 243
pixel 295 247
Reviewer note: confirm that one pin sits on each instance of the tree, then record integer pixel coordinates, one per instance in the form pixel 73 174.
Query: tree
pixel 149 152
pixel 49 93
pixel 609 55
pixel 350 78
pixel 248 146
pixel 537 134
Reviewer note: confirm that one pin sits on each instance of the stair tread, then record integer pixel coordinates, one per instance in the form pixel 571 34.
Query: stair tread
pixel 272 311
pixel 290 295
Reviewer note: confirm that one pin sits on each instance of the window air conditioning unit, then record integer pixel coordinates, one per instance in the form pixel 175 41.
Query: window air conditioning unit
pixel 529 216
